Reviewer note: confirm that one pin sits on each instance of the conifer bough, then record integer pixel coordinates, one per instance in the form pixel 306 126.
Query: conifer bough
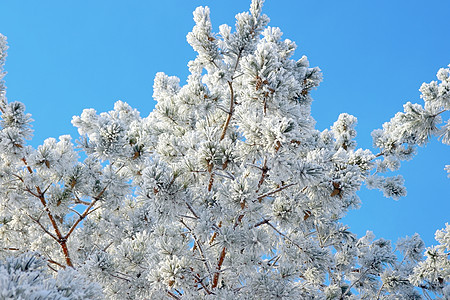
pixel 225 191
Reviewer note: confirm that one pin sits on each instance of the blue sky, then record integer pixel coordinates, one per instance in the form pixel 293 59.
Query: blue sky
pixel 65 56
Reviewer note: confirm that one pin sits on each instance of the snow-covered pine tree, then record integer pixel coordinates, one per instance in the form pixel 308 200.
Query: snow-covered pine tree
pixel 225 191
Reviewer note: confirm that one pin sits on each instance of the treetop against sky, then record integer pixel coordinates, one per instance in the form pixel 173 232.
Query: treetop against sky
pixel 65 57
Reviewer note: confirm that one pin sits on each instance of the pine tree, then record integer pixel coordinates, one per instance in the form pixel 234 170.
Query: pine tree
pixel 225 191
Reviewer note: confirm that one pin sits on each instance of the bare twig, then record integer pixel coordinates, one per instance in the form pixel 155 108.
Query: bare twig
pixel 51 268
pixel 73 210
pixel 264 221
pixel 173 295
pixel 56 263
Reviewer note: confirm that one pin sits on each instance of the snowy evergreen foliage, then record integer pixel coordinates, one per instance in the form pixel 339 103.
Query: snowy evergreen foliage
pixel 27 277
pixel 225 191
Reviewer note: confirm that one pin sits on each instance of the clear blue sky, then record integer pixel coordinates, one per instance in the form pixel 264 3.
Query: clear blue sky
pixel 65 56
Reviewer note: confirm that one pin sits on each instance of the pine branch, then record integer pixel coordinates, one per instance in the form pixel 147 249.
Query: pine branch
pixel 230 111
pixel 275 191
pixel 219 266
pixel 59 237
pixel 198 246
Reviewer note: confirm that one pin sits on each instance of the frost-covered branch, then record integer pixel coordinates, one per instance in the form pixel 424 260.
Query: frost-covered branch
pixel 225 191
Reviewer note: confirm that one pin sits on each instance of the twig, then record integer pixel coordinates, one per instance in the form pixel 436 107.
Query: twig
pixel 73 210
pixel 350 287
pixel 59 237
pixel 230 84
pixel 56 263
pixel 79 201
pixel 264 170
pixel 275 191
pixel 191 209
pixel 51 268
pixel 264 221
pixel 119 277
pixel 197 244
pixel 225 175
pixel 379 291
pixel 173 295
pixel 438 113
pixel 43 228
pixel 202 284
pixel 284 235
pixel 230 112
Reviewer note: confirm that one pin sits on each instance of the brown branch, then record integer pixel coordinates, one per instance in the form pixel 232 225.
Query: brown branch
pixel 62 240
pixel 230 112
pixel 80 218
pixel 379 154
pixel 20 178
pixel 265 221
pixel 199 280
pixel 41 197
pixel 173 295
pixel 86 211
pixel 94 209
pixel 46 189
pixel 211 181
pixel 78 201
pixel 219 266
pixel 215 234
pixel 27 166
pixel 63 244
pixel 58 238
pixel 56 263
pixel 73 210
pixel 264 170
pixel 51 268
